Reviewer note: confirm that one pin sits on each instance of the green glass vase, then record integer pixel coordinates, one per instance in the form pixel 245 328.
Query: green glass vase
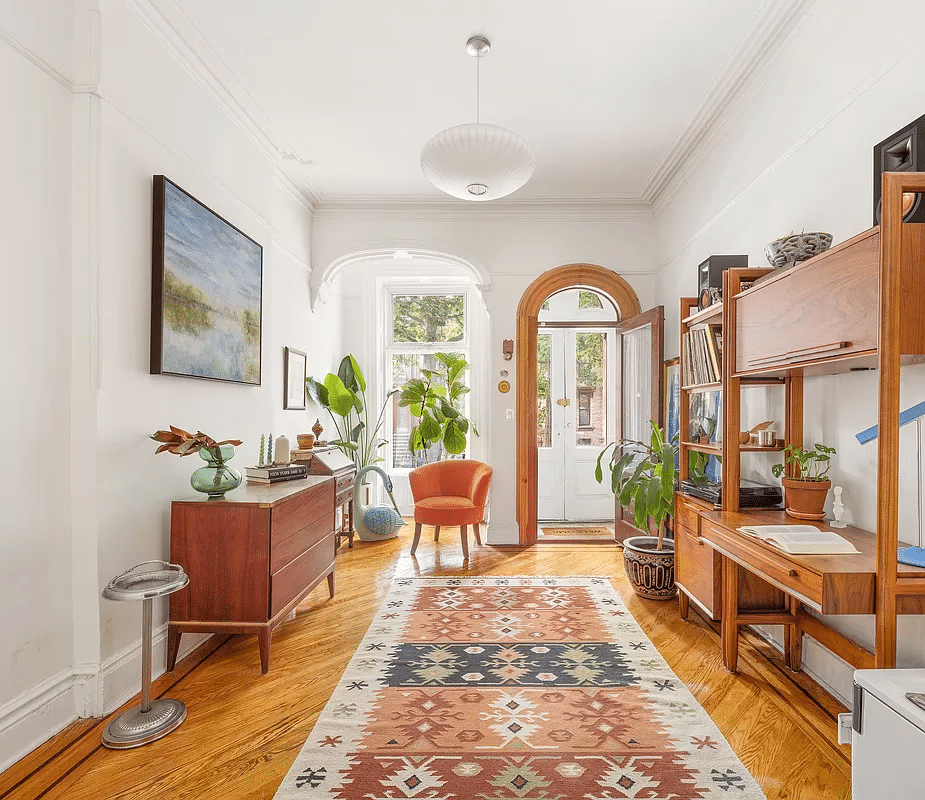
pixel 216 477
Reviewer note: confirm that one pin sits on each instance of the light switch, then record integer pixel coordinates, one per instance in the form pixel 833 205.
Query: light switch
pixel 510 413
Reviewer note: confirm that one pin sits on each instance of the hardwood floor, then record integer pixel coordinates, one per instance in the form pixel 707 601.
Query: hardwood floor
pixel 244 729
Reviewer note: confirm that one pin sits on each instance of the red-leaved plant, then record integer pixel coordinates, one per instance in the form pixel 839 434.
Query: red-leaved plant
pixel 183 443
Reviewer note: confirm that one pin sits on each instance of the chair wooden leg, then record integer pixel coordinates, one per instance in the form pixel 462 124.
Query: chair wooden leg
pixel 417 537
pixel 436 533
pixel 478 536
pixel 464 540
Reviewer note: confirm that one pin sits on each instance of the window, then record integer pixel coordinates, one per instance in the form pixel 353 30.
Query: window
pixel 420 324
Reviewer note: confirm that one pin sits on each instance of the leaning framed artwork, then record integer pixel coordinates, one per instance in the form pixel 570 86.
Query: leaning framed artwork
pixel 206 292
pixel 294 369
pixel 672 397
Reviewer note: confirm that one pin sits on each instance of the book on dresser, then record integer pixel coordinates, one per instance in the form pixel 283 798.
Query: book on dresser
pixel 800 539
pixel 274 473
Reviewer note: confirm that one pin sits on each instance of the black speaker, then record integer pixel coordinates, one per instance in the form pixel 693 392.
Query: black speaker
pixel 904 151
pixel 710 276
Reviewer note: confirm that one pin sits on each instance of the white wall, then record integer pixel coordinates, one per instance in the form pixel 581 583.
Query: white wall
pixel 800 157
pixel 513 250
pixel 64 650
pixel 36 646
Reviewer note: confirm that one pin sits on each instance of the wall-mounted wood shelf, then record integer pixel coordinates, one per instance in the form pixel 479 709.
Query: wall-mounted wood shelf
pixel 712 313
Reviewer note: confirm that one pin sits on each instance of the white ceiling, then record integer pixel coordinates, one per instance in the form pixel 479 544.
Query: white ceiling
pixel 605 91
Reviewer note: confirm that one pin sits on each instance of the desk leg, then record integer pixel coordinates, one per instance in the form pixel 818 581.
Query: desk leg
pixel 793 638
pixel 730 628
pixel 683 604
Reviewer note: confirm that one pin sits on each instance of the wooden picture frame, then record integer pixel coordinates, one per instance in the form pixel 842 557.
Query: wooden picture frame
pixel 294 374
pixel 206 292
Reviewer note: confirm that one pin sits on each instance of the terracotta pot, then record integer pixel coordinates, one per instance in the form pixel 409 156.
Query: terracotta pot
pixel 650 571
pixel 805 499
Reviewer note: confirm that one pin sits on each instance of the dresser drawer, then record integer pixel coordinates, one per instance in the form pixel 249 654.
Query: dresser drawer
pixel 686 514
pixel 343 482
pixel 296 512
pixel 292 579
pixel 698 569
pixel 786 573
pixel 283 552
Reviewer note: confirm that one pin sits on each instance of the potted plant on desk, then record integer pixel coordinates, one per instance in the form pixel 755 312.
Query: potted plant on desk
pixel 808 484
pixel 644 475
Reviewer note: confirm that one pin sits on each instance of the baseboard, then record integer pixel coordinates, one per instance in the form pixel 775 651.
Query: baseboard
pixel 502 533
pixel 822 665
pixel 83 690
pixel 35 716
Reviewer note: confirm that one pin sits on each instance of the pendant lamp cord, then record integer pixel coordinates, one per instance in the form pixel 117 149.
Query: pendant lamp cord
pixel 478 88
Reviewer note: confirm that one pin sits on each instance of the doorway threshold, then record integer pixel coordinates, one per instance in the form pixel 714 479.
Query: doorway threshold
pixel 592 531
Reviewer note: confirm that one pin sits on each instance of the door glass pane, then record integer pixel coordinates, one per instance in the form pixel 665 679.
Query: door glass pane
pixel 590 389
pixel 543 398
pixel 428 317
pixel 637 383
pixel 405 366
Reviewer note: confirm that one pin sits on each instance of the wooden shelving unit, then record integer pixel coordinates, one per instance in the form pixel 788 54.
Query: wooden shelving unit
pixel 856 306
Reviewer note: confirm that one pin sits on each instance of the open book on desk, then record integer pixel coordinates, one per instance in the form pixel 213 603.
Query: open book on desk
pixel 800 539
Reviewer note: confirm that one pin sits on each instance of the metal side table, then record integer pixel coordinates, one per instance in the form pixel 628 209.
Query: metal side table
pixel 149 721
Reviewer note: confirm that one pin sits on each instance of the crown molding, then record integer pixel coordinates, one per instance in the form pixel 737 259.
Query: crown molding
pixel 765 45
pixel 178 34
pixel 563 208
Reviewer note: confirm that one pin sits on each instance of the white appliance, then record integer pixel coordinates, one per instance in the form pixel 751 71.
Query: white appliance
pixel 888 735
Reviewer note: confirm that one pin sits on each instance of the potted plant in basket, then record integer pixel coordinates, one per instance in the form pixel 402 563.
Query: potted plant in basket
pixel 645 474
pixel 807 485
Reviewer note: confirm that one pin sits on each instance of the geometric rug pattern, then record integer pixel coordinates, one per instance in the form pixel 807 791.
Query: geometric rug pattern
pixel 518 688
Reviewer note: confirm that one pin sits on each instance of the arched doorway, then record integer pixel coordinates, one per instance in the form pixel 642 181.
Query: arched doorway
pixel 570 276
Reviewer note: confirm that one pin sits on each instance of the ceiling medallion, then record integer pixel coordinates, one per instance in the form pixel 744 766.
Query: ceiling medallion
pixel 476 161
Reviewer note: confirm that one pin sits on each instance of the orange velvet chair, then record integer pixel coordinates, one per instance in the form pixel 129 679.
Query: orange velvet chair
pixel 447 494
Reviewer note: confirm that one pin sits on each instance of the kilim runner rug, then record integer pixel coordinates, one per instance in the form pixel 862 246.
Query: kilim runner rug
pixel 515 688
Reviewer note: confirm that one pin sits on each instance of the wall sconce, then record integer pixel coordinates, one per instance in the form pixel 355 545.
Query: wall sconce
pixel 507 349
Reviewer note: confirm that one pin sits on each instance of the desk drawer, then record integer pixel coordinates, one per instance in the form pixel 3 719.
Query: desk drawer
pixel 698 569
pixel 344 496
pixel 290 516
pixel 292 579
pixel 344 482
pixel 779 568
pixel 686 514
pixel 281 553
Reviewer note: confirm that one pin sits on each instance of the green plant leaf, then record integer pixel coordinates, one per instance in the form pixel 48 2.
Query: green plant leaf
pixel 317 392
pixel 429 428
pixel 346 375
pixel 448 410
pixel 598 471
pixel 454 439
pixel 355 433
pixel 667 472
pixel 358 374
pixel 340 398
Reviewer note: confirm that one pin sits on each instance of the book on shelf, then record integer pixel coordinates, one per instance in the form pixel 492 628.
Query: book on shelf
pixel 800 539
pixel 702 355
pixel 276 471
pixel 278 478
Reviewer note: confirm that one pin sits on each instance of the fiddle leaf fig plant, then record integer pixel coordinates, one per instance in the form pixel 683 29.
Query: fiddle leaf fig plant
pixel 644 475
pixel 812 465
pixel 437 400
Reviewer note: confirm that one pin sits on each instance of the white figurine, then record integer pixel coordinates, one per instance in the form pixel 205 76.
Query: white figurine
pixel 838 509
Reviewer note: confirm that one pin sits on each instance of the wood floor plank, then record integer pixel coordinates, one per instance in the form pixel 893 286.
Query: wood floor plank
pixel 244 729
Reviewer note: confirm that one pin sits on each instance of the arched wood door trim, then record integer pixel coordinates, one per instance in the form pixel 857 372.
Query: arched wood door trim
pixel 569 276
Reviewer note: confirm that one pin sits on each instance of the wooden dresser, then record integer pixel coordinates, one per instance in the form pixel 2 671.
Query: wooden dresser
pixel 251 558
pixel 331 461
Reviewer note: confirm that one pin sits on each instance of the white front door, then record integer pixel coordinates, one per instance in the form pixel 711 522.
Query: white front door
pixel 576 393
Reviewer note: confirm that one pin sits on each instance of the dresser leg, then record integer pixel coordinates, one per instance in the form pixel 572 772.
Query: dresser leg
pixel 417 537
pixel 464 539
pixel 173 646
pixel 331 583
pixel 436 533
pixel 730 628
pixel 263 641
pixel 683 604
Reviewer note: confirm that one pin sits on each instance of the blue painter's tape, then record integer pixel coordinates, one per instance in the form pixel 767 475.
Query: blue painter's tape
pixel 905 417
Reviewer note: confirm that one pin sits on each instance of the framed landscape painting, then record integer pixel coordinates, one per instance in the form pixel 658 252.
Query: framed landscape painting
pixel 206 292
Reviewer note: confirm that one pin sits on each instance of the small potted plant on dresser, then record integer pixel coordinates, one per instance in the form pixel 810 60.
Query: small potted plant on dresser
pixel 644 475
pixel 808 484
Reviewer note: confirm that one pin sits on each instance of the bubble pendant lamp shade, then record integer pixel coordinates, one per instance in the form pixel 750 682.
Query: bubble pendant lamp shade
pixel 477 161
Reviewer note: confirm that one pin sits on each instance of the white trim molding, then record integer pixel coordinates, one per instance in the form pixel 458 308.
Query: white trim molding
pixel 331 265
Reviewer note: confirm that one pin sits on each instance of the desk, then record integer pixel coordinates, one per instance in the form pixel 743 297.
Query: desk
pixel 827 584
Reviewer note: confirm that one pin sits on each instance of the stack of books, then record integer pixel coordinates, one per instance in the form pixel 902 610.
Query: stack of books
pixel 702 356
pixel 274 473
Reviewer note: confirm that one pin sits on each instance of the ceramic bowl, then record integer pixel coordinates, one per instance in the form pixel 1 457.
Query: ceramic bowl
pixel 789 250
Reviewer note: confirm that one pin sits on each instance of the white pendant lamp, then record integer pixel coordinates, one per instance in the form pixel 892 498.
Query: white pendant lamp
pixel 476 161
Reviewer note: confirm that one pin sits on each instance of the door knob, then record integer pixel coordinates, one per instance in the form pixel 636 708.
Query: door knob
pixel 564 402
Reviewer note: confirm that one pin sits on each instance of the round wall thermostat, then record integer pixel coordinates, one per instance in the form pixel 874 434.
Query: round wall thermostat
pixel 504 387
